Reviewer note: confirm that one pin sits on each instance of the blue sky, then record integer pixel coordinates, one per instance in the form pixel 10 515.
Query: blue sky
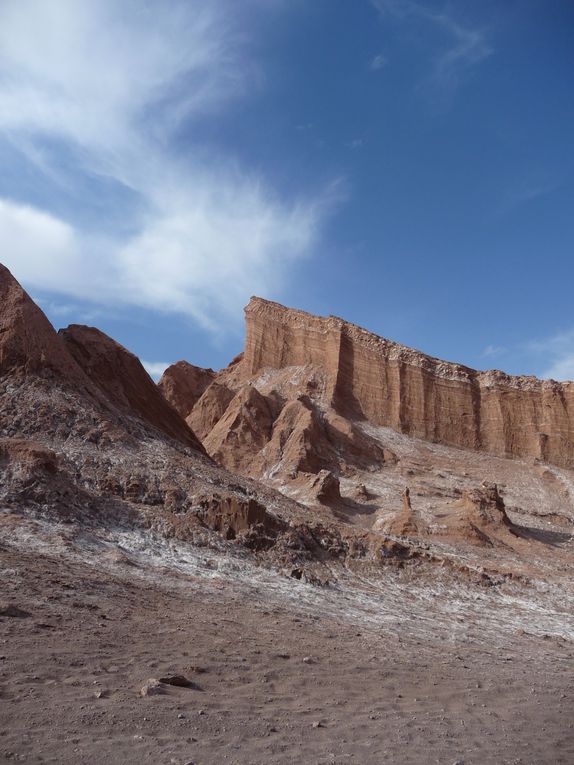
pixel 408 166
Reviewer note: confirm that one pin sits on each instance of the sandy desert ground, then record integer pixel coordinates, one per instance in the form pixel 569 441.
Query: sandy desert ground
pixel 381 671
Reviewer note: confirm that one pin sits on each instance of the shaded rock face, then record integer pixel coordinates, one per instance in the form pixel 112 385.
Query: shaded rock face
pixel 484 506
pixel 28 342
pixel 182 384
pixel 231 516
pixel 259 436
pixel 297 440
pixel 305 439
pixel 209 409
pixel 242 431
pixel 391 385
pixel 479 517
pixel 267 429
pixel 33 476
pixel 325 487
pixel 26 459
pixel 124 382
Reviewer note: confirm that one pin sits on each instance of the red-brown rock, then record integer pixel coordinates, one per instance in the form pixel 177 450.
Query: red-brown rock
pixel 391 385
pixel 405 523
pixel 182 384
pixel 124 382
pixel 325 488
pixel 28 342
pixel 209 409
pixel 243 430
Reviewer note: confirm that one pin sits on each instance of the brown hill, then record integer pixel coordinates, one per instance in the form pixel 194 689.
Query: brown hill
pixel 183 383
pixel 124 382
pixel 121 542
pixel 28 343
pixel 88 437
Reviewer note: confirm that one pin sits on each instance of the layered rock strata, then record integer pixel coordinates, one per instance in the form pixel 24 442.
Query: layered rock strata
pixel 391 385
pixel 86 438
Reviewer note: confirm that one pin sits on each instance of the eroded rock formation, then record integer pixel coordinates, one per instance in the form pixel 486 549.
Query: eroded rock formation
pixel 124 382
pixel 87 438
pixel 405 523
pixel 28 343
pixel 325 488
pixel 391 385
pixel 182 385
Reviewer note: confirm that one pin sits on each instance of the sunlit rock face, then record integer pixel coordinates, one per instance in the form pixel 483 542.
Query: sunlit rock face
pixel 388 384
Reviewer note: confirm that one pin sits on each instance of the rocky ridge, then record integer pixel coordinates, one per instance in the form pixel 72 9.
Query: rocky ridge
pixel 388 384
pixel 339 548
pixel 306 409
pixel 124 382
pixel 87 437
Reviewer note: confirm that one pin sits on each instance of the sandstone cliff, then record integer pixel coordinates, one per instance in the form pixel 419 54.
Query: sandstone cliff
pixel 388 384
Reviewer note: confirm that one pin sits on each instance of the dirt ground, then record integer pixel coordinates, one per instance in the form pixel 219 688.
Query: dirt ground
pixel 273 683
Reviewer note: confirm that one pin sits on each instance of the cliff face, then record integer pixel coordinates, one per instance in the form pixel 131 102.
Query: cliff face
pixel 388 384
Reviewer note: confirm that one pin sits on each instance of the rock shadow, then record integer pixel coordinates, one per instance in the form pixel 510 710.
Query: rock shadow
pixel 546 536
pixel 347 508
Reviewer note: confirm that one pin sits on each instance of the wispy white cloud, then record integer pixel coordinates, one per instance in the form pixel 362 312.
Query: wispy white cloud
pixel 493 350
pixel 558 350
pixel 113 84
pixel 69 64
pixel 526 191
pixel 155 369
pixel 378 62
pixel 562 369
pixel 465 46
pixel 37 242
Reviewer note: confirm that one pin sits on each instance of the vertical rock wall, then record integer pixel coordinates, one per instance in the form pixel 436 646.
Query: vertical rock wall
pixel 391 385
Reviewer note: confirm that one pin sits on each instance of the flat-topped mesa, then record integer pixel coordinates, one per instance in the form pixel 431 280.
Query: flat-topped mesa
pixel 391 385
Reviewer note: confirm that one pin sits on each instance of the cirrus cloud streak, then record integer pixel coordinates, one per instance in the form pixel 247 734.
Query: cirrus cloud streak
pixel 106 96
